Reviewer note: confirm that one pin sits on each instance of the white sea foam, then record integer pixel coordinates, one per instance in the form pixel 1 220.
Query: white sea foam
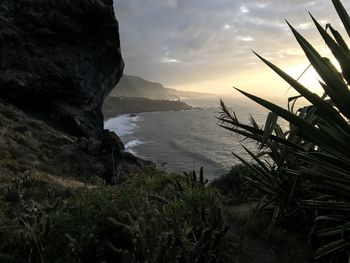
pixel 129 147
pixel 136 118
pixel 122 125
pixel 133 144
pixel 125 125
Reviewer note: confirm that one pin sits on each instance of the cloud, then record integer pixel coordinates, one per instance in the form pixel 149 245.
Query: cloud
pixel 304 26
pixel 245 38
pixel 179 42
pixel 170 60
pixel 169 3
pixel 244 9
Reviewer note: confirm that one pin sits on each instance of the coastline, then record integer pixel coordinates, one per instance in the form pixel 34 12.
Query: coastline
pixel 125 126
pixel 116 106
pixel 202 144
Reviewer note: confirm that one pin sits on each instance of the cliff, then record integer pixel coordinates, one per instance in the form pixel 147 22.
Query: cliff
pixel 58 61
pixel 133 86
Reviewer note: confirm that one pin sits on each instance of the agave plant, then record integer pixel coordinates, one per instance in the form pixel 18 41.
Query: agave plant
pixel 308 167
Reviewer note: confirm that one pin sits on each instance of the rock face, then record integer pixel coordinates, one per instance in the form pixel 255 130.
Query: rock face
pixel 59 59
pixel 31 148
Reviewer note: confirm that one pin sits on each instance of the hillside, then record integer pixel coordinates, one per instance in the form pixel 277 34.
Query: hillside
pixel 132 86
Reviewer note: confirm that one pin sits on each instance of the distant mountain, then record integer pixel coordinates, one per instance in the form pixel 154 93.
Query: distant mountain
pixel 132 86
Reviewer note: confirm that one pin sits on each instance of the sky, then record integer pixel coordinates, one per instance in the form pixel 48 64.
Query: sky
pixel 206 45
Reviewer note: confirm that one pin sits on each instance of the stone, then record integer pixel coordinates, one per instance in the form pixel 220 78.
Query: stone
pixel 59 59
pixel 111 142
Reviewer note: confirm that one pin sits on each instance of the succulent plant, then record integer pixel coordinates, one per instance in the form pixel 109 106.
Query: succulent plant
pixel 308 167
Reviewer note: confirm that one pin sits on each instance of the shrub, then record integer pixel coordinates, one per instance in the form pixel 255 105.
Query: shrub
pixel 307 174
pixel 151 217
pixel 233 184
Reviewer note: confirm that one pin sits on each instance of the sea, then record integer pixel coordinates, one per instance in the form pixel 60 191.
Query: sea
pixel 182 141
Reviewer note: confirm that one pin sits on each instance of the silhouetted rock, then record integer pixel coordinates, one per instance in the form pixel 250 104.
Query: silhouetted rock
pixel 111 142
pixel 59 59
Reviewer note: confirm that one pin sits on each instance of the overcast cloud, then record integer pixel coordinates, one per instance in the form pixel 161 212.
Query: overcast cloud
pixel 177 42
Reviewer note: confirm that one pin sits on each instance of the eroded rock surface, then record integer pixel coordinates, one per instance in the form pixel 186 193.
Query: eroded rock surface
pixel 59 59
pixel 32 148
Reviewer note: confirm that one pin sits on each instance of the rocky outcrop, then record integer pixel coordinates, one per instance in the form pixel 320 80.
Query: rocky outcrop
pixel 59 59
pixel 31 148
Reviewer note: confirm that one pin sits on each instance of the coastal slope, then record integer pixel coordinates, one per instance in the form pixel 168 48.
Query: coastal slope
pixel 133 86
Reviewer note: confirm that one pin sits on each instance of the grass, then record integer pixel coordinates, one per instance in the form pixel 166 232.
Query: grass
pixel 53 209
pixel 152 217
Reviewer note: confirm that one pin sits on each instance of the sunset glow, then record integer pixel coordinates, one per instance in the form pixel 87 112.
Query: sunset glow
pixel 206 45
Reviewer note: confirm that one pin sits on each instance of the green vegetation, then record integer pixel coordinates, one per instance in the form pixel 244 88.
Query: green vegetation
pixel 303 175
pixel 114 106
pixel 295 190
pixel 151 217
pixel 233 186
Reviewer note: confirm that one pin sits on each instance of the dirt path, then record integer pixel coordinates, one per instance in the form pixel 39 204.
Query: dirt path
pixel 251 244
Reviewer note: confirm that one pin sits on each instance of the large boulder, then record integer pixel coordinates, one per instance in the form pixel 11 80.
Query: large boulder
pixel 59 59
